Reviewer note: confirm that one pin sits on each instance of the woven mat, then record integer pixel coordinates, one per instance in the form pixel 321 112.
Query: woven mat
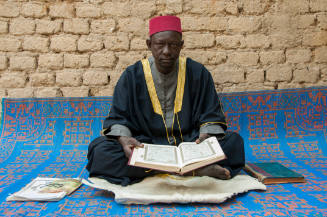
pixel 49 138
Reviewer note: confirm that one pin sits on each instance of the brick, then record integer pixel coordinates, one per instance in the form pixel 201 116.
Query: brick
pixel 279 23
pixel 138 44
pixel 51 61
pixel 206 57
pixel 2 95
pixel 254 7
pixel 36 44
pixel 47 92
pixel 132 25
pixel 205 7
pixel 304 21
pixel 76 26
pixel 228 74
pixel 257 41
pixel 114 77
pixel 69 78
pixel 103 26
pixel 61 10
pixel 322 21
pixel 3 62
pixel 323 71
pixel 244 24
pixel 315 38
pixel 9 9
pixel 301 75
pixel 75 91
pixel 173 6
pixel 283 40
pixel 3 27
pixel 102 59
pixel 204 23
pixel 244 58
pixel 9 44
pixel 20 92
pixel 281 72
pixel 284 85
pixel 247 87
pixel 33 10
pixel 88 10
pixel 22 26
pixel 22 63
pixel 229 41
pixel 143 9
pixel 76 60
pixel 293 6
pixel 42 79
pixel 48 26
pixel 63 43
pixel 92 77
pixel 105 91
pixel 230 8
pixel 318 5
pixel 270 57
pixel 298 55
pixel 117 42
pixel 119 8
pixel 126 59
pixel 320 55
pixel 12 80
pixel 255 75
pixel 215 57
pixel 199 40
pixel 90 43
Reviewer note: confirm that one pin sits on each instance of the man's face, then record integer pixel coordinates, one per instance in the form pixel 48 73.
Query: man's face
pixel 165 47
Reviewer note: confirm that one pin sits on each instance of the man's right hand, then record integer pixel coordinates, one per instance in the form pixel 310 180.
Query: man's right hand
pixel 128 144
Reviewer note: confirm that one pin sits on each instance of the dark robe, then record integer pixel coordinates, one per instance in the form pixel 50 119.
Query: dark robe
pixel 135 107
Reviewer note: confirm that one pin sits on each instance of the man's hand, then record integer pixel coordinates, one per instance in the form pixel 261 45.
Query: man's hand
pixel 202 137
pixel 128 144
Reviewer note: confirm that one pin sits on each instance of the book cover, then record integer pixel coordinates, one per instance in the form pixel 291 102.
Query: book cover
pixel 46 189
pixel 273 173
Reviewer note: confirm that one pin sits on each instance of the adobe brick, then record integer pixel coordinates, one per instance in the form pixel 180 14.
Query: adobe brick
pixel 36 44
pixel 61 10
pixel 76 26
pixel 88 10
pixel 35 10
pixel 22 26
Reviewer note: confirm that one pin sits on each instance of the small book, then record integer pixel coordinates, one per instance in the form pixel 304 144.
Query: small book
pixel 186 157
pixel 273 173
pixel 46 189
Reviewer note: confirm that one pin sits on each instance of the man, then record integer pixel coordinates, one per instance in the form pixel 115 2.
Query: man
pixel 165 99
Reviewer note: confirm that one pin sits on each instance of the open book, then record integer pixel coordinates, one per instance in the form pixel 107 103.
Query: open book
pixel 46 189
pixel 186 157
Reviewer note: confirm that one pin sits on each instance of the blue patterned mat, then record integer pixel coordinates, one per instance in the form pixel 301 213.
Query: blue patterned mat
pixel 49 137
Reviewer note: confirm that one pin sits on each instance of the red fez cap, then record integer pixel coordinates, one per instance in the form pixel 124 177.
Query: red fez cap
pixel 164 23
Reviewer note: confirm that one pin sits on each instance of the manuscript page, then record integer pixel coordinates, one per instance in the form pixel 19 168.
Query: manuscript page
pixel 192 152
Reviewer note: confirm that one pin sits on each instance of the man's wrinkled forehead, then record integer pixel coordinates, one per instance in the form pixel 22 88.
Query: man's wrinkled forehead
pixel 167 35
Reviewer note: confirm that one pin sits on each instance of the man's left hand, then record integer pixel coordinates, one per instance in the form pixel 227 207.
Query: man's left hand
pixel 202 137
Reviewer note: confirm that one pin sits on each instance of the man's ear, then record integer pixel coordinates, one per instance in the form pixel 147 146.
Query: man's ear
pixel 182 43
pixel 148 43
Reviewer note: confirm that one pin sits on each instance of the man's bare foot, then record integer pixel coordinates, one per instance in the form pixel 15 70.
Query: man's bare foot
pixel 213 170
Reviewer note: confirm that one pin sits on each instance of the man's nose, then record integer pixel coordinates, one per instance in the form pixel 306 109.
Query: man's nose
pixel 166 49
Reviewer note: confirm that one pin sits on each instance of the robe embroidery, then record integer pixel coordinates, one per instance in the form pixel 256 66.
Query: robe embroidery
pixel 179 91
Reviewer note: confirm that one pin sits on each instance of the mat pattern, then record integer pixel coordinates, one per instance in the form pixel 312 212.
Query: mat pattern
pixel 49 137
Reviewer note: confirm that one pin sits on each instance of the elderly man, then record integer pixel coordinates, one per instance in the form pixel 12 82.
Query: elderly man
pixel 165 99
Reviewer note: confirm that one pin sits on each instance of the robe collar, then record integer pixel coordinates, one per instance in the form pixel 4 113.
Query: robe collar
pixel 152 90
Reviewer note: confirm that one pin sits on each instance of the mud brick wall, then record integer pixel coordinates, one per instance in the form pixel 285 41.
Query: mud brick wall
pixel 80 48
